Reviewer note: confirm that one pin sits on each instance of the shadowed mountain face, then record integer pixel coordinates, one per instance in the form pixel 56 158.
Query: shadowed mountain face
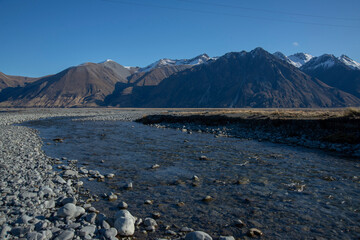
pixel 245 79
pixel 141 81
pixel 334 72
pixel 241 79
pixel 14 81
pixel 85 85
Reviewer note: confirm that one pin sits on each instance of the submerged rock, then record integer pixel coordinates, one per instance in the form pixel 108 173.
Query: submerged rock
pixel 254 232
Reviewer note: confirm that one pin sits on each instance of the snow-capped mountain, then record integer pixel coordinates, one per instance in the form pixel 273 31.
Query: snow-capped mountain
pixel 297 59
pixel 300 59
pixel 170 62
pixel 282 56
pixel 329 60
pixel 349 62
pixel 324 61
pixel 342 73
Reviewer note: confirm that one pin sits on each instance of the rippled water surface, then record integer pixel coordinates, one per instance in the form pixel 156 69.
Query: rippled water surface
pixel 287 192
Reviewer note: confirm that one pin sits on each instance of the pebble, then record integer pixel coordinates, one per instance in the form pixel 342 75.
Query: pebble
pixel 254 232
pixel 112 197
pixel 239 223
pixel 150 222
pixel 129 186
pixel 149 202
pixel 156 215
pixel 155 166
pixel 65 235
pixel 68 210
pixel 123 205
pixel 110 233
pixel 198 235
pixel 207 199
pixel 226 238
pixel 110 175
pixel 87 231
pixel 186 229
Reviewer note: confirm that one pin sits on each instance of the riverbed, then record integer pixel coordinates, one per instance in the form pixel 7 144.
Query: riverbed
pixel 286 192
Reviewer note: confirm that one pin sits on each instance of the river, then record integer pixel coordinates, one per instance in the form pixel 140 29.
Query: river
pixel 286 192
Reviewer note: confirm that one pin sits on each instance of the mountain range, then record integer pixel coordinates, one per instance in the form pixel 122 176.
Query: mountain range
pixel 236 79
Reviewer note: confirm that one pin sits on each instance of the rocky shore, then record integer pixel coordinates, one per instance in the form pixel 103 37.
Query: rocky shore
pixel 43 198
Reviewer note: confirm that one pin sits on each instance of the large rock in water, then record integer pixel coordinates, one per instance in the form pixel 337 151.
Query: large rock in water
pixel 125 226
pixel 198 235
pixel 124 223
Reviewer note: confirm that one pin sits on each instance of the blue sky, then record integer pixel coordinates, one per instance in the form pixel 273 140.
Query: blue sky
pixel 41 37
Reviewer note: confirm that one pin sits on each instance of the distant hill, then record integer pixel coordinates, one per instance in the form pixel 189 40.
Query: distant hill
pixel 14 81
pixel 85 85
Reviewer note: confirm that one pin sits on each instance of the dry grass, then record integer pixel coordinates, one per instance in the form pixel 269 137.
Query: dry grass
pixel 274 113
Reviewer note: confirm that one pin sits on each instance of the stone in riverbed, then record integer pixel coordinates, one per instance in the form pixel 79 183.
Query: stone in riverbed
pixel 155 166
pixel 128 186
pixel 110 175
pixel 112 197
pixel 207 199
pixel 49 204
pixel 34 236
pixel 186 229
pixel 125 226
pixel 60 180
pixel 65 235
pixel 70 173
pixel 110 233
pixel 68 210
pixel 69 200
pixel 150 224
pixel 91 218
pixel 124 213
pixel 87 231
pixel 239 223
pixel 123 205
pixel 156 215
pixel 254 232
pixel 198 235
pixel 226 238
pixel 5 229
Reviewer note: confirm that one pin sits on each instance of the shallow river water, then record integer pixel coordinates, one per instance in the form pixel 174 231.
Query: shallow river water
pixel 286 192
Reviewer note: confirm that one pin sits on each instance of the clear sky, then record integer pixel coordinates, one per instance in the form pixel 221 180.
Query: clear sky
pixel 40 37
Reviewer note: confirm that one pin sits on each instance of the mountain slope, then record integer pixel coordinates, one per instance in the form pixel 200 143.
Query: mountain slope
pixel 245 79
pixel 341 73
pixel 14 81
pixel 83 85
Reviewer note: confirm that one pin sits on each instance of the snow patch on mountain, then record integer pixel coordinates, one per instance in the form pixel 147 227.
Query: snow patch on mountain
pixel 282 56
pixel 300 59
pixel 170 62
pixel 349 62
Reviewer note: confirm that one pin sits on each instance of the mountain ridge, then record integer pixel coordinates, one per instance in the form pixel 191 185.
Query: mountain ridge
pixel 236 79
